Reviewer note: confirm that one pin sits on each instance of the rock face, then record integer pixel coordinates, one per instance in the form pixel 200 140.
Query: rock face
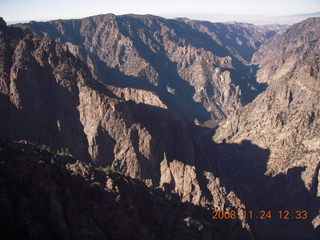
pixel 200 69
pixel 285 118
pixel 138 96
pixel 38 78
pixel 125 91
pixel 67 199
pixel 288 51
pixel 50 97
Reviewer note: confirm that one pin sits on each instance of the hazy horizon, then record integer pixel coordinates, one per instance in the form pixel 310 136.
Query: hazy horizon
pixel 255 11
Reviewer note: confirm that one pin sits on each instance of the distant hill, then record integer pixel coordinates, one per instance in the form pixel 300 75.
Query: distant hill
pixel 314 14
pixel 221 17
pixel 254 19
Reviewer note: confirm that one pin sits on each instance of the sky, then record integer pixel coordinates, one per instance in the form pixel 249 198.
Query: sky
pixel 15 10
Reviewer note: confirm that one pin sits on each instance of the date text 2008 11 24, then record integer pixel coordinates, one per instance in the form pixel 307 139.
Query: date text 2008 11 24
pixel 260 215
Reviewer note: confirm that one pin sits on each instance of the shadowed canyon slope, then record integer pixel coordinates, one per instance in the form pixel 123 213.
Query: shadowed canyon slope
pixel 67 199
pixel 136 92
pixel 286 117
pixel 49 97
pixel 198 68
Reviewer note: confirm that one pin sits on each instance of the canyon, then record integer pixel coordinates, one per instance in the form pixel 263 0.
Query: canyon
pixel 189 115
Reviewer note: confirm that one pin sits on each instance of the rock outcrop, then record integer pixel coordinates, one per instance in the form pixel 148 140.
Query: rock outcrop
pixel 285 118
pixel 200 69
pixel 286 114
pixel 50 97
pixel 126 91
pixel 47 195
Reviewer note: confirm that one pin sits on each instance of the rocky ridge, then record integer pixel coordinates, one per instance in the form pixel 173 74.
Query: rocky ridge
pixel 50 97
pixel 199 69
pixel 68 199
pixel 286 114
pixel 285 118
pixel 139 122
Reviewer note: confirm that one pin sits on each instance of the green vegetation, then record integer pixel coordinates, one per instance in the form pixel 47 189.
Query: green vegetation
pixel 44 147
pixel 64 152
pixel 106 169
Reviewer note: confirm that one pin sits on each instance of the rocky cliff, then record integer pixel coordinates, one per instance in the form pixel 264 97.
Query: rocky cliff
pixel 285 118
pixel 200 69
pixel 146 137
pixel 50 97
pixel 49 195
pixel 125 92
